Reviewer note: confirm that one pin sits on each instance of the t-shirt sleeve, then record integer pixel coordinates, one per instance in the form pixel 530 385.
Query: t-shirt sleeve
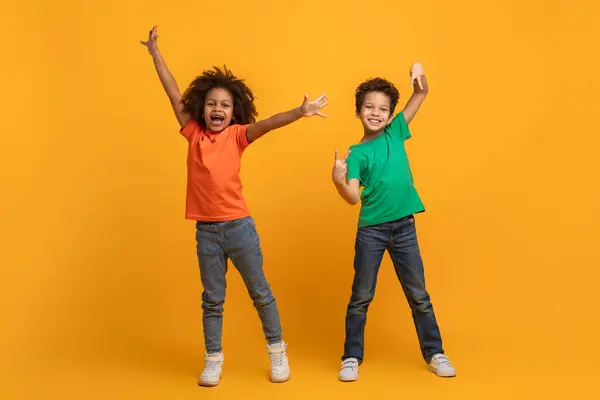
pixel 241 136
pixel 188 130
pixel 400 127
pixel 353 166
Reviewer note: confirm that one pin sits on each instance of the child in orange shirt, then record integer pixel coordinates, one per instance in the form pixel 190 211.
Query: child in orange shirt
pixel 217 117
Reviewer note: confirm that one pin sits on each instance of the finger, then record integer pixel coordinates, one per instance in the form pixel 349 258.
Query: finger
pixel 318 99
pixel 144 43
pixel 346 156
pixel 420 82
pixel 324 104
pixel 321 98
pixel 336 155
pixel 305 97
pixel 412 79
pixel 320 114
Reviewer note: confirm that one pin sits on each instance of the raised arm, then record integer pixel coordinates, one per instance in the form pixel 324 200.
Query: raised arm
pixel 307 109
pixel 166 79
pixel 350 190
pixel 418 81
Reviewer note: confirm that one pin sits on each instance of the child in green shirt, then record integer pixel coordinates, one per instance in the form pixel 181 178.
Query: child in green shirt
pixel 389 200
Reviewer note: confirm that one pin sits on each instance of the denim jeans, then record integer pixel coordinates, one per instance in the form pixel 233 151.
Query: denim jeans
pixel 238 241
pixel 399 238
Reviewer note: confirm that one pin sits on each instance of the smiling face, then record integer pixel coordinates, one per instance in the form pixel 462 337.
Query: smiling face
pixel 375 112
pixel 218 109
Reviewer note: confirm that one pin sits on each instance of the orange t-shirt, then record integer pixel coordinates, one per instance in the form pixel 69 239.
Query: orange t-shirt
pixel 214 187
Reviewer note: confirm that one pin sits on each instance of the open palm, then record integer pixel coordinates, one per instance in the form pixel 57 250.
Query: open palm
pixel 310 108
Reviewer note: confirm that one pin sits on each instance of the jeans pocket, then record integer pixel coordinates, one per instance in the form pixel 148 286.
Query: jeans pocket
pixel 237 223
pixel 246 220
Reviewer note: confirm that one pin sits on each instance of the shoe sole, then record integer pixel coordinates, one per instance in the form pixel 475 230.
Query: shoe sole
pixel 347 379
pixel 210 384
pixel 279 380
pixel 433 370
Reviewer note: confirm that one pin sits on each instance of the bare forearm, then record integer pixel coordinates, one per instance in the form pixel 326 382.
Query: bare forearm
pixel 413 105
pixel 165 76
pixel 415 101
pixel 347 193
pixel 170 86
pixel 260 128
pixel 283 119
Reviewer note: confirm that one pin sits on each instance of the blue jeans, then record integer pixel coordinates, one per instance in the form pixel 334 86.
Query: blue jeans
pixel 399 238
pixel 239 242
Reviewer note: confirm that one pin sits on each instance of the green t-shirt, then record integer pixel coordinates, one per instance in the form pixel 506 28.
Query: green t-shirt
pixel 382 167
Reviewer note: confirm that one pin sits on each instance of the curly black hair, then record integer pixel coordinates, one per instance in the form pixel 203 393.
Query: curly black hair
pixel 244 111
pixel 377 85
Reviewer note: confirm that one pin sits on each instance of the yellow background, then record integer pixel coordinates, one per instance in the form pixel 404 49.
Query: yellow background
pixel 100 287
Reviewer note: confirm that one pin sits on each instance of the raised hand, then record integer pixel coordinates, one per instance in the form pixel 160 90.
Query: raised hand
pixel 417 75
pixel 339 169
pixel 152 39
pixel 310 108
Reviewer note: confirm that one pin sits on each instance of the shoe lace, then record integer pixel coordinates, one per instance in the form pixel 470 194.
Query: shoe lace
pixel 277 359
pixel 443 361
pixel 211 367
pixel 349 365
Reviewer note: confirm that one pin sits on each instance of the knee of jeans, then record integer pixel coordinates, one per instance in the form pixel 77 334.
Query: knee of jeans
pixel 213 303
pixel 212 309
pixel 359 303
pixel 422 304
pixel 263 300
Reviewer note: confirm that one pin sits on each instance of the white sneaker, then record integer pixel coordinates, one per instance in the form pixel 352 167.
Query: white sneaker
pixel 349 371
pixel 441 366
pixel 213 368
pixel 280 369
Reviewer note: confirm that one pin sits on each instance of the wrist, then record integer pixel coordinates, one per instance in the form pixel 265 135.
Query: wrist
pixel 154 52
